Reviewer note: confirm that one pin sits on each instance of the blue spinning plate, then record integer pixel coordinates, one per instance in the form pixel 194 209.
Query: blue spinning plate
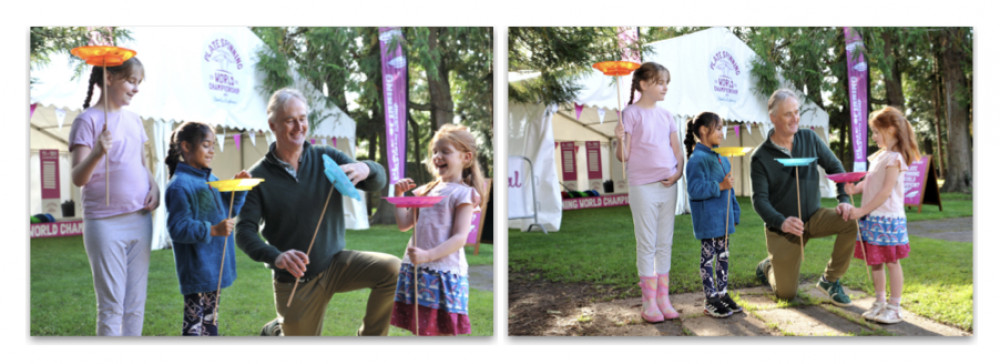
pixel 795 162
pixel 339 178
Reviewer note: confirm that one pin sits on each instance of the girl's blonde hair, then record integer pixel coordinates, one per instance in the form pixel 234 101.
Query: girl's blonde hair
pixel 464 142
pixel 648 71
pixel 906 139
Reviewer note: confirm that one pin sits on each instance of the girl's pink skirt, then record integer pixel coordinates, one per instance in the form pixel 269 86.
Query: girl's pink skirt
pixel 878 254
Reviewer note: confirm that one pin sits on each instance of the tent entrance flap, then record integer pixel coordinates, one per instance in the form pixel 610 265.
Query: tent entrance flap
pixel 516 190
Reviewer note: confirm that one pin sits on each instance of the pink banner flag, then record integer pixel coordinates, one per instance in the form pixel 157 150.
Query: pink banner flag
pixel 627 36
pixel 100 36
pixel 236 139
pixel 334 140
pixel 736 129
pixel 857 82
pixel 33 106
pixel 394 69
pixel 579 109
pixel 913 181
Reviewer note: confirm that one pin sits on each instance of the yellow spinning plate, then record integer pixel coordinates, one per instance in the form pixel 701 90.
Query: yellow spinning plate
pixel 732 151
pixel 239 184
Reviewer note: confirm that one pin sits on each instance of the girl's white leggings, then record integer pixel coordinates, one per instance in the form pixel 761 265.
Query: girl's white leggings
pixel 653 207
pixel 118 249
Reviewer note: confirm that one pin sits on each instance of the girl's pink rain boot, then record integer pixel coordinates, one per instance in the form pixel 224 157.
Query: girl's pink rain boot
pixel 650 311
pixel 663 297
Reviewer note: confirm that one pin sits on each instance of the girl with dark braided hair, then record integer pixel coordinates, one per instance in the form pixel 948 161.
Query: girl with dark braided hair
pixel 199 225
pixel 709 177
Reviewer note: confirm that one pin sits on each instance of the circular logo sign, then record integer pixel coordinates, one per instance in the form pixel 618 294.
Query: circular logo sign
pixel 225 72
pixel 727 76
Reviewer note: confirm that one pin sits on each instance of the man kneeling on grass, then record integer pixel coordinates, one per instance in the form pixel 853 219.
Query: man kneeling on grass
pixel 288 204
pixel 775 199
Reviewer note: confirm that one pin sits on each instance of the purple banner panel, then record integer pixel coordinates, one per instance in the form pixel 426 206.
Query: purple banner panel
pixel 474 232
pixel 50 173
pixel 394 91
pixel 594 171
pixel 913 181
pixel 568 152
pixel 857 80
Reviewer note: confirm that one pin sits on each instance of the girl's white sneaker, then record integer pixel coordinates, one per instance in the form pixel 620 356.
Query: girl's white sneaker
pixel 889 315
pixel 875 310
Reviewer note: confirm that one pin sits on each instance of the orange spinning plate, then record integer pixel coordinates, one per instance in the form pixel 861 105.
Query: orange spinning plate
pixel 616 68
pixel 103 55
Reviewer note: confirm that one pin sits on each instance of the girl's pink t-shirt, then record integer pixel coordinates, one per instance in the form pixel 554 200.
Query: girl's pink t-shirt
pixel 129 178
pixel 651 158
pixel 893 206
pixel 435 222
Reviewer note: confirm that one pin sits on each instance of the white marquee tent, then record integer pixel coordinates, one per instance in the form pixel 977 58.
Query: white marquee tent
pixel 191 73
pixel 710 71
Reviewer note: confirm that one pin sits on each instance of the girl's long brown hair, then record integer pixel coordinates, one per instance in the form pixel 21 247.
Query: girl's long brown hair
pixel 648 71
pixel 121 71
pixel 906 139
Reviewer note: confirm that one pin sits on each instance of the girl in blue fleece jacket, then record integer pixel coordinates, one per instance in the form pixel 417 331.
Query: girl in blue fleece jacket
pixel 709 179
pixel 198 225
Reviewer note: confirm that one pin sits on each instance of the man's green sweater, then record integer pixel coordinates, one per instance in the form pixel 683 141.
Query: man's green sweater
pixel 289 208
pixel 774 184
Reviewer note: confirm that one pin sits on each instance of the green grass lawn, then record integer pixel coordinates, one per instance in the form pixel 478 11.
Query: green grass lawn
pixel 598 246
pixel 62 293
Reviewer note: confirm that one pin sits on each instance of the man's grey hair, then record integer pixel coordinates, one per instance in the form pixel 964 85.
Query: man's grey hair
pixel 278 100
pixel 777 97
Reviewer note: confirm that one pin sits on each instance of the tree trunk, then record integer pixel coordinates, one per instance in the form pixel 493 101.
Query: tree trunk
pixel 937 117
pixel 894 76
pixel 442 106
pixel 420 176
pixel 957 98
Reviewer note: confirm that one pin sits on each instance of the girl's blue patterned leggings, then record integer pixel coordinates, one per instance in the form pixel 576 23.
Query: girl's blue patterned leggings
pixel 199 314
pixel 709 249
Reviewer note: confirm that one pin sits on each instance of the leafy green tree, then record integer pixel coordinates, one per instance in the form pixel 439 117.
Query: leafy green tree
pixel 445 65
pixel 956 75
pixel 560 55
pixel 925 72
pixel 46 41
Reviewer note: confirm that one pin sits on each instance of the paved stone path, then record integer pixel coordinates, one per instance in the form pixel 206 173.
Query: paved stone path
pixel 763 316
pixel 956 229
pixel 481 277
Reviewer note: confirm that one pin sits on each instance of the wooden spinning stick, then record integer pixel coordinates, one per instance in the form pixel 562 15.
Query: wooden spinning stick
pixel 318 224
